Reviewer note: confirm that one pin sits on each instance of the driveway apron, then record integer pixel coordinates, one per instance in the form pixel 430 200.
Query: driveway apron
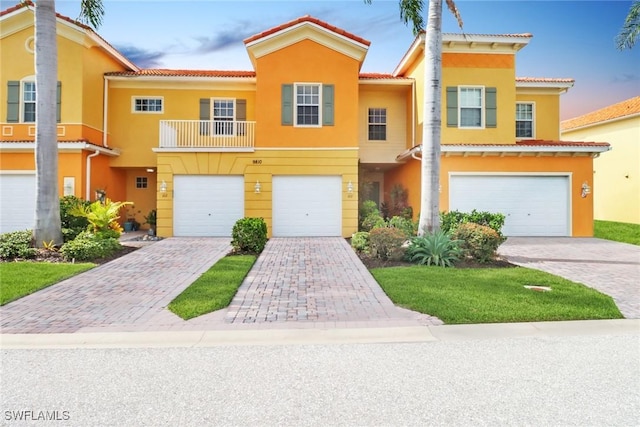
pixel 316 279
pixel 126 291
pixel 610 267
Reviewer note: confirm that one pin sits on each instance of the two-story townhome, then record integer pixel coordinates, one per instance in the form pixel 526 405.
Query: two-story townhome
pixel 295 139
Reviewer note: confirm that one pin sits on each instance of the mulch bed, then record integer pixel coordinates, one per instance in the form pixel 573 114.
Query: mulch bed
pixel 372 262
pixel 45 255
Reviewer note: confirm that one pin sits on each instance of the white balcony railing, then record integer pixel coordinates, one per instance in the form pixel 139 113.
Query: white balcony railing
pixel 225 135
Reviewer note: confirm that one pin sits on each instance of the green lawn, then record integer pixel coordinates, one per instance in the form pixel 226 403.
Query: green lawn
pixel 24 278
pixel 617 231
pixel 492 295
pixel 214 289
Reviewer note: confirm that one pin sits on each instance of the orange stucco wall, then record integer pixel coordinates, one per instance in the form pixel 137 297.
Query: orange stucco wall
pixel 306 62
pixel 580 170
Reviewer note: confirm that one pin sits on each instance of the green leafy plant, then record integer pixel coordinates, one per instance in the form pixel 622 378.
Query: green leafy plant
pixel 434 249
pixel 88 246
pixel 398 204
pixel 449 221
pixel 72 225
pixel 101 216
pixel 360 241
pixel 367 208
pixel 151 218
pixel 249 235
pixel 373 220
pixel 478 241
pixel 17 244
pixel 386 243
pixel 407 225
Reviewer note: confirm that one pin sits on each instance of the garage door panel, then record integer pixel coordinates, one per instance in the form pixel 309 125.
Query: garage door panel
pixel 307 206
pixel 532 205
pixel 17 202
pixel 206 205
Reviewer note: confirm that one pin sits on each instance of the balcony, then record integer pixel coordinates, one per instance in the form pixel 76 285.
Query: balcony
pixel 207 135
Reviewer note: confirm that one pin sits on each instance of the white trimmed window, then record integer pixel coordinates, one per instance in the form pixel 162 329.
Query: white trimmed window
pixel 223 116
pixel 470 106
pixel 151 104
pixel 28 102
pixel 377 124
pixel 524 120
pixel 307 105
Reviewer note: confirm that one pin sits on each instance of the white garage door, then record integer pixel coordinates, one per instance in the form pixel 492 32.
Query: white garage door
pixel 17 201
pixel 533 205
pixel 205 205
pixel 307 206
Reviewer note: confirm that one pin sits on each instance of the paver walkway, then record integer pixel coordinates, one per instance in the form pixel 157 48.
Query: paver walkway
pixel 612 268
pixel 315 279
pixel 130 290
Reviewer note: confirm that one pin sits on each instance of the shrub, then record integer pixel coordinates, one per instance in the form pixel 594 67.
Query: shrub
pixel 249 235
pixel 398 204
pixel 434 249
pixel 17 244
pixel 360 241
pixel 386 243
pixel 449 221
pixel 478 241
pixel 407 225
pixel 101 216
pixel 367 208
pixel 88 247
pixel 372 221
pixel 72 225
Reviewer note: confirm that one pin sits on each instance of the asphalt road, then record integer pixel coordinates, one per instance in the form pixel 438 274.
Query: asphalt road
pixel 559 381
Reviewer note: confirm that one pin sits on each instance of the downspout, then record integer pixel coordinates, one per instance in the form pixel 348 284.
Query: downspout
pixel 413 113
pixel 104 112
pixel 88 178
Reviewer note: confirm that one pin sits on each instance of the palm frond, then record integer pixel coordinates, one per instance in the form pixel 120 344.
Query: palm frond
pixel 91 12
pixel 630 29
pixel 411 12
pixel 456 13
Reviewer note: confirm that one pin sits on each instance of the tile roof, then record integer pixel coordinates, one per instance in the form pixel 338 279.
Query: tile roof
pixel 310 19
pixel 622 109
pixel 163 72
pixel 379 76
pixel 547 143
pixel 542 80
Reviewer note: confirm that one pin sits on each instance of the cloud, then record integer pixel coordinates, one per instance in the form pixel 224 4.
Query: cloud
pixel 231 37
pixel 141 57
pixel 626 78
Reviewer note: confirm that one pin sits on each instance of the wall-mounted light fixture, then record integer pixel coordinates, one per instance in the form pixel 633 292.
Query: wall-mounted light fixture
pixel 585 190
pixel 350 187
pixel 163 187
pixel 150 170
pixel 257 187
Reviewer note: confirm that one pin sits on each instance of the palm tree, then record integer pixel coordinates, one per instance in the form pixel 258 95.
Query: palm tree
pixel 630 29
pixel 411 12
pixel 48 227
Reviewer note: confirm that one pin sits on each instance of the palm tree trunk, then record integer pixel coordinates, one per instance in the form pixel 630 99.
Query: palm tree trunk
pixel 47 216
pixel 430 174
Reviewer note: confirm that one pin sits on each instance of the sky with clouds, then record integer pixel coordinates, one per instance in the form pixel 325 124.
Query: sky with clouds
pixel 573 39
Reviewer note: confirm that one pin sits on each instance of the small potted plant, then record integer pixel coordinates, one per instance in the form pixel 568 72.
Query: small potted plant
pixel 151 220
pixel 131 224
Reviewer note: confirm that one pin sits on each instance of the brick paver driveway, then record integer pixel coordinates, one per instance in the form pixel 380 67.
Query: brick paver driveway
pixel 315 279
pixel 131 290
pixel 612 268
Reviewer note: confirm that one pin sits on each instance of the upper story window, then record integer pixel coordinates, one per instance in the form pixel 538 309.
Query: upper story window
pixel 21 100
pixel 472 107
pixel 307 102
pixel 307 105
pixel 524 120
pixel 223 116
pixel 28 102
pixel 152 104
pixel 377 124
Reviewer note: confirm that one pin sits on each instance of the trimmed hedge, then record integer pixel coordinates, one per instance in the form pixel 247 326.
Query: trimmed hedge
pixel 249 235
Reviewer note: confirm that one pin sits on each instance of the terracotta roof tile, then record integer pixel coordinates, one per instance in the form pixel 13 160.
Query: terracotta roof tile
pixel 538 143
pixel 161 72
pixel 616 111
pixel 377 76
pixel 542 80
pixel 311 19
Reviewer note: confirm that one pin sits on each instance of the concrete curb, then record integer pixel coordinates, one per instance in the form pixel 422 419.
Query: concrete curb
pixel 412 334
